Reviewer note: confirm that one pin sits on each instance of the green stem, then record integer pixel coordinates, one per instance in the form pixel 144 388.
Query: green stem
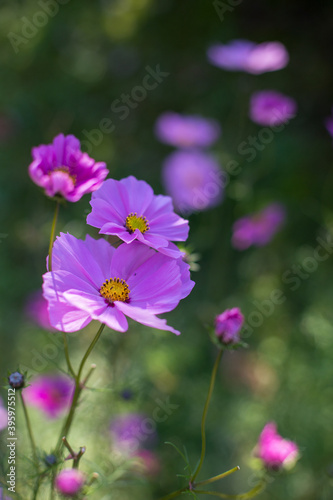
pixel 31 437
pixel 77 392
pixel 54 223
pixel 175 493
pixel 217 478
pixel 242 496
pixel 69 364
pixel 204 415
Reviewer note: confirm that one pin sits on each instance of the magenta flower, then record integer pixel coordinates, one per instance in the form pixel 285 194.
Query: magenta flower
pixel 92 280
pixel 62 169
pixel 243 55
pixel 130 210
pixel 130 431
pixel 146 463
pixel 3 496
pixel 271 108
pixel 36 310
pixel 258 229
pixel 228 325
pixel 69 482
pixel 186 131
pixel 3 418
pixel 50 393
pixel 274 451
pixel 194 180
pixel 329 124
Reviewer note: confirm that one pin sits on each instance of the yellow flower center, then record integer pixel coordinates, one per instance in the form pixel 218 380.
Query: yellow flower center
pixel 134 222
pixel 115 289
pixel 66 171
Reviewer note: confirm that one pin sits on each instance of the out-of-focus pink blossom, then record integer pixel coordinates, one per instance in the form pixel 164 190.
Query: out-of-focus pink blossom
pixel 274 451
pixel 36 310
pixel 259 228
pixel 186 131
pixel 243 55
pixel 194 180
pixel 329 124
pixel 146 463
pixel 50 393
pixel 271 108
pixel 3 418
pixel 228 325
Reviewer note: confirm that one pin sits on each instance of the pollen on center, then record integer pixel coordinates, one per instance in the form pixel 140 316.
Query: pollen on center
pixel 66 171
pixel 133 222
pixel 115 289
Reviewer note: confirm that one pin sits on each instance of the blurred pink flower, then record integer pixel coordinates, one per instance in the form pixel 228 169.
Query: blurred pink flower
pixel 271 108
pixel 129 432
pixel 62 169
pixel 36 310
pixel 3 496
pixel 243 55
pixel 50 393
pixel 194 180
pixel 329 124
pixel 69 482
pixel 259 228
pixel 228 325
pixel 274 451
pixel 186 131
pixel 146 463
pixel 3 418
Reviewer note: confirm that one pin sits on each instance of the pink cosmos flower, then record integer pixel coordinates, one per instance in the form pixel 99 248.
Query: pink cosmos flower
pixel 274 451
pixel 194 180
pixel 3 418
pixel 36 310
pixel 130 210
pixel 258 229
pixel 329 124
pixel 271 108
pixel 146 463
pixel 92 280
pixel 69 482
pixel 62 169
pixel 243 55
pixel 186 131
pixel 50 393
pixel 228 325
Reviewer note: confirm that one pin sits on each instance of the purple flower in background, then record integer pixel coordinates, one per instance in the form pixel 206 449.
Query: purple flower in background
pixel 69 482
pixel 274 451
pixel 62 169
pixel 271 108
pixel 3 419
pixel 186 131
pixel 243 55
pixel 36 310
pixel 193 179
pixel 130 210
pixel 329 124
pixel 3 496
pixel 50 393
pixel 93 280
pixel 259 228
pixel 146 463
pixel 130 431
pixel 228 325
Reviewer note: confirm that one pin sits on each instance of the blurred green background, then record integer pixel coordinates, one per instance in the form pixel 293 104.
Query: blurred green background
pixel 65 78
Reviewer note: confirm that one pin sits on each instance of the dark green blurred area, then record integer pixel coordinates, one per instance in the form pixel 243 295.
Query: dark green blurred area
pixel 65 79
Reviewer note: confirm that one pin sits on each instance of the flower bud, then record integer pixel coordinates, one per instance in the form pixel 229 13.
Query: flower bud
pixel 228 325
pixel 16 380
pixel 69 482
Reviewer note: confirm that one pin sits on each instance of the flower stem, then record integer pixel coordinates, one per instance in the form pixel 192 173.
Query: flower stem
pixel 175 493
pixel 69 364
pixel 242 496
pixel 204 415
pixel 31 437
pixel 217 478
pixel 77 392
pixel 54 223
